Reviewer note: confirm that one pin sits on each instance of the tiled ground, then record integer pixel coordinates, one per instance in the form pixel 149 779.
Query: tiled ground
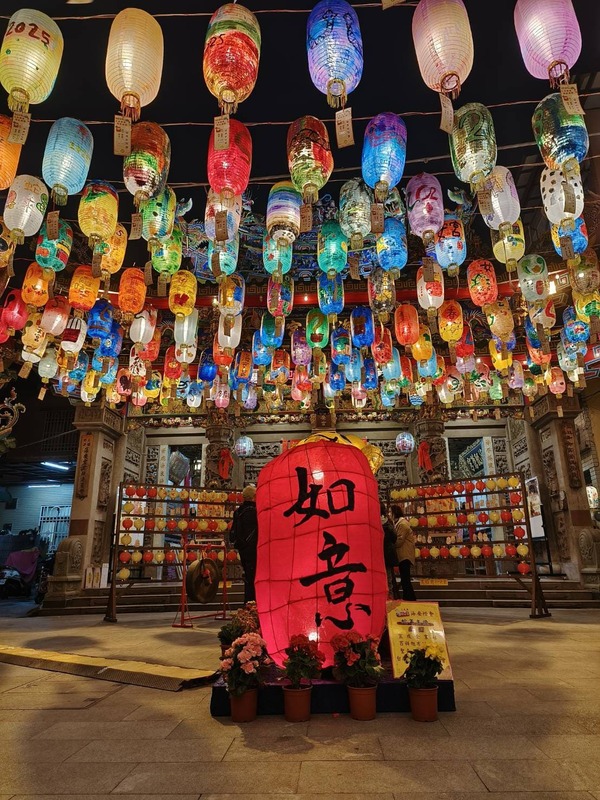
pixel 527 725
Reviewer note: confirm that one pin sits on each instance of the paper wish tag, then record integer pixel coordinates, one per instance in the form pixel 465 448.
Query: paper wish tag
pixel 221 226
pixel 377 218
pixel 306 218
pixel 122 136
pixel 354 265
pixel 221 129
pixel 447 119
pixel 52 225
pixel 19 127
pixel 97 263
pixel 569 194
pixel 484 198
pixel 343 128
pixel 566 247
pixel 136 226
pixel 570 97
pixel 428 271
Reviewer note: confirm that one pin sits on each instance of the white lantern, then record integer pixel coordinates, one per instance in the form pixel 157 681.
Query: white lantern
pixel 552 188
pixel 143 326
pixel 25 206
pixel 506 207
pixel 244 447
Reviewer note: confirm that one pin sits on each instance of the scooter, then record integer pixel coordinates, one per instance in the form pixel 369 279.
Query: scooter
pixel 47 567
pixel 11 583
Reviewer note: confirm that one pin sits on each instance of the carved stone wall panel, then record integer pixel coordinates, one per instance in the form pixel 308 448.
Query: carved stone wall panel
pixel 570 449
pixel 98 543
pixel 501 456
pixel 152 459
pixel 104 483
pixel 550 470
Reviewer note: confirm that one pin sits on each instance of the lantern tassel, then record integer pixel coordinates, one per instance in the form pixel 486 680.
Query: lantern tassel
pixel 130 106
pixel 18 100
pixel 17 236
pixel 336 93
pixel 558 73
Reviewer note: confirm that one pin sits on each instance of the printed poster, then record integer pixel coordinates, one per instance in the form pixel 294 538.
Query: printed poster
pixel 414 624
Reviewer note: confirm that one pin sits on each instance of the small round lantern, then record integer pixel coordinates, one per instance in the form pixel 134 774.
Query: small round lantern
pixel 509 246
pixel 384 154
pixel 54 253
pixel 532 273
pixel 113 252
pixel 167 253
pixel 83 289
pixel 406 324
pixel 283 213
pixel 244 447
pixel 451 245
pixel 391 246
pixel 98 212
pixel 578 237
pixel 481 280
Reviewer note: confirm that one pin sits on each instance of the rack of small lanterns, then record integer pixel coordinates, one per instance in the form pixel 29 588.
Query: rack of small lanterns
pixel 483 521
pixel 168 526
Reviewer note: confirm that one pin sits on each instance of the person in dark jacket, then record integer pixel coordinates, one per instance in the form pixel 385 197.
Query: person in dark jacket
pixel 389 553
pixel 244 537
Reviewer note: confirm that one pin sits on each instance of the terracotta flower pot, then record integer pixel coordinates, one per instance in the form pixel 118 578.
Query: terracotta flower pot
pixel 363 702
pixel 244 706
pixel 424 704
pixel 296 703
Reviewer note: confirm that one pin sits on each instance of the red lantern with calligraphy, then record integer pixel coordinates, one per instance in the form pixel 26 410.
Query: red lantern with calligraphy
pixel 320 566
pixel 406 324
pixel 481 280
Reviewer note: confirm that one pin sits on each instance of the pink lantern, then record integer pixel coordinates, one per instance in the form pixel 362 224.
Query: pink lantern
pixel 56 315
pixel 425 206
pixel 320 565
pixel 14 312
pixel 549 38
pixel 557 384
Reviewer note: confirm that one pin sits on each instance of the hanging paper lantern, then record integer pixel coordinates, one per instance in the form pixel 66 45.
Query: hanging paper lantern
pixel 25 207
pixel 55 316
pixel 425 206
pixel 381 348
pixel 500 319
pixel 34 291
pixel 54 253
pixel 98 212
pixel 300 350
pixel 443 44
pixel 542 313
pixel 355 211
pixel 280 296
pixel 261 353
pixel 585 277
pixel 231 294
pixel 158 217
pixel 406 324
pixel 392 370
pixel 185 330
pixel 277 256
pixel 473 144
pixel 381 289
pixel 10 154
pixel 243 447
pixel 231 55
pixel 481 280
pixel 578 237
pixel 557 383
pixel 430 294
pixel 228 337
pixel 271 331
pixel 226 253
pixel 532 273
pixel 134 60
pixel 552 188
pixel 509 247
pixel 310 160
pixel 575 330
pixel 341 347
pixel 132 291
pixel 67 158
pixel 451 245
pixel 450 321
pixel 506 207
pixel 232 211
pixel 330 295
pixel 306 541
pixel 335 50
pixel 14 311
pixel 29 58
pixel 229 169
pixel 362 326
pixel 332 248
pixel 561 137
pixel 384 154
pixel 113 252
pixel 391 245
pixel 167 253
pixel 83 289
pixel 100 320
pixel 549 38
pixel 146 168
pixel 182 293
pixel 317 329
pixel 422 349
pixel 283 213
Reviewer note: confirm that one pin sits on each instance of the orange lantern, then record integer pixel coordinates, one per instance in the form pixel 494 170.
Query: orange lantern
pixel 222 356
pixel 34 291
pixel 422 349
pixel 84 289
pixel 481 280
pixel 113 252
pixel 9 154
pixel 406 324
pixel 132 292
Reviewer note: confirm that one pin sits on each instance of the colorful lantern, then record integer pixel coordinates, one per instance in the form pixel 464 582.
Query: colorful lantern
pixel 552 188
pixel 158 217
pixel 532 273
pixel 330 294
pixel 100 321
pixel 73 338
pixel 243 447
pixel 391 245
pixel 542 313
pixel 557 383
pixel 14 311
pixel 228 336
pixel 261 353
pixel 182 293
pixel 332 248
pixel 341 347
pixel 29 58
pixel 185 331
pixel 113 252
pixel 422 349
pixel 450 321
pixel 230 295
pixel 425 206
pixel 98 212
pixel 575 330
pixel 381 348
pixel 384 154
pixel 271 331
pixel 283 213
pixel 134 60
pixel 355 211
pixel 430 294
pixel 10 153
pixel 83 289
pixel 317 329
pixel 55 316
pixel 25 207
pixel 300 350
pixel 506 207
pixel 451 245
pixel 310 160
pixel 229 169
pixel 67 158
pixel 224 255
pixel 132 292
pixel 510 246
pixel 232 211
pixel 296 597
pixel 231 55
pixel 500 319
pixel 335 50
pixel 277 256
pixel 585 277
pixel 362 326
pixel 561 137
pixel 549 38
pixel 280 297
pixel 473 144
pixel 167 253
pixel 578 237
pixel 481 280
pixel 146 168
pixel 381 289
pixel 54 253
pixel 406 324
pixel 443 44
pixel 34 291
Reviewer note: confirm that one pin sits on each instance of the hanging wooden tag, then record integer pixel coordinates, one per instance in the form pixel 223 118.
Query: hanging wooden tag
pixel 148 273
pixel 428 273
pixel 96 263
pixel 122 136
pixel 52 224
pixel 569 193
pixel 162 285
pixel 19 127
pixel 484 197
pixel 343 128
pixel 10 266
pixel 559 411
pixel 505 390
pixel 582 381
pixel 377 218
pixel 51 283
pixel 306 218
pixel 221 129
pixel 566 247
pixel 42 393
pixel 136 226
pixel 570 97
pixel 594 324
pixel 221 226
pixel 215 265
pixel 569 390
pixel 227 324
pixel 447 119
pixel 354 266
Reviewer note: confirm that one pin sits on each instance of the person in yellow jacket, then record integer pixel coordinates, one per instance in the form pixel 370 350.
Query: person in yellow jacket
pixel 405 550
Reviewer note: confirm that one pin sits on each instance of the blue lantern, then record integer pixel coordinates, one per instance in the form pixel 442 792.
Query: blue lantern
pixel 384 153
pixel 451 245
pixel 428 369
pixel 405 442
pixel 82 365
pixel 576 330
pixel 392 248
pixel 111 345
pixel 271 333
pixel 561 137
pixel 341 348
pixel 336 378
pixel 110 376
pixel 392 371
pixel 243 447
pixel 67 158
pixel 509 344
pixel 578 236
pixel 261 354
pixel 371 380
pixel 330 293
pixel 207 369
pixel 335 51
pixel 249 396
pixel 572 349
pixel 415 400
pixel 387 394
pixel 332 248
pixel 277 256
pixel 226 253
pixel 354 366
pixel 100 320
pixel 361 326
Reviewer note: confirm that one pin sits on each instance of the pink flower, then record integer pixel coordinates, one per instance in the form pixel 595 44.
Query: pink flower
pixel 249 668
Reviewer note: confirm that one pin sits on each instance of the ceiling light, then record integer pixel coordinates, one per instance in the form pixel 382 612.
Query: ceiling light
pixel 54 465
pixel 552 289
pixel 52 484
pixel 79 2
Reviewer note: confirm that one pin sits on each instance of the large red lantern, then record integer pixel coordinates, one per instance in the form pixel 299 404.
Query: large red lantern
pixel 406 324
pixel 320 565
pixel 481 280
pixel 229 170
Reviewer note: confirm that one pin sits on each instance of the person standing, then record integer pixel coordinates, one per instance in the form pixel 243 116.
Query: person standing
pixel 389 552
pixel 244 537
pixel 405 551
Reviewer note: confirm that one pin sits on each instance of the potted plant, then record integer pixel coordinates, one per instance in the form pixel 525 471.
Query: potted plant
pixel 424 665
pixel 244 620
pixel 243 669
pixel 358 664
pixel 303 663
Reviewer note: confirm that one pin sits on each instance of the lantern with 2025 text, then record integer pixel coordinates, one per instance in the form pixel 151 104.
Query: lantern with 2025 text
pixel 320 565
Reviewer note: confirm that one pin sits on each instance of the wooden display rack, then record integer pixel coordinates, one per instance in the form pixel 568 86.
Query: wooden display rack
pixel 174 506
pixel 422 501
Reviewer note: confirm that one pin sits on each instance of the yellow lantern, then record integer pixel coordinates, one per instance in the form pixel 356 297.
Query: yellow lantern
pixel 98 212
pixel 422 350
pixel 113 252
pixel 9 154
pixel 182 293
pixel 134 60
pixel 450 321
pixel 500 319
pixel 34 291
pixel 29 58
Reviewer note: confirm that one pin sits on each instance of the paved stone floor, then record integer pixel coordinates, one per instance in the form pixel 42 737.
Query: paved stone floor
pixel 527 725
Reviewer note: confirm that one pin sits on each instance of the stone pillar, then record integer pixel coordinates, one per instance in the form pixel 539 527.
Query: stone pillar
pixel 554 421
pixel 100 459
pixel 219 432
pixel 430 431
